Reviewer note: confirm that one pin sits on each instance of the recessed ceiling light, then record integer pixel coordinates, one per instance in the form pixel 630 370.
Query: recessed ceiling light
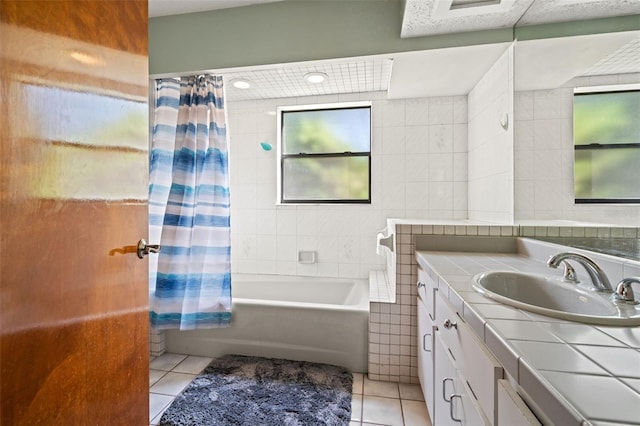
pixel 315 77
pixel 241 84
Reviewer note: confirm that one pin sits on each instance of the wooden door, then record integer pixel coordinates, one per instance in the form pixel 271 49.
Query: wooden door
pixel 74 169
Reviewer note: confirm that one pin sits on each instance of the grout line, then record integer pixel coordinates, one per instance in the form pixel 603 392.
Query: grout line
pixel 401 409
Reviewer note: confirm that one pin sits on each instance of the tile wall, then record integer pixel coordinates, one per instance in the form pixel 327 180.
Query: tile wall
pixel 543 150
pixel 491 144
pixel 393 328
pixel 419 170
pixel 157 342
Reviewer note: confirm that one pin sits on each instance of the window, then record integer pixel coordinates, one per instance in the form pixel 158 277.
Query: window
pixel 325 153
pixel 606 132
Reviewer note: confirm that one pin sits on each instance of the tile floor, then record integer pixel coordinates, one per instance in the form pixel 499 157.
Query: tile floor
pixel 372 402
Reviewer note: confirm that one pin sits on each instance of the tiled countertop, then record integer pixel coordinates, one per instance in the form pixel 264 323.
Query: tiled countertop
pixel 577 374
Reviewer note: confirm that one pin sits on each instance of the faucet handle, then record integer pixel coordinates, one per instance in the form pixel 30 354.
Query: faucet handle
pixel 569 275
pixel 624 291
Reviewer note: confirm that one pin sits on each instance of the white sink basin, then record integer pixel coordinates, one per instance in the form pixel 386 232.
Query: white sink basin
pixel 554 298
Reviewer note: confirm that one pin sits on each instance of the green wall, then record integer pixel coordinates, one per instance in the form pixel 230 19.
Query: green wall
pixel 304 30
pixel 289 31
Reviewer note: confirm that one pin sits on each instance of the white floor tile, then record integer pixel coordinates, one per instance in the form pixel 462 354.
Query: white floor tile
pixel 156 421
pixel 166 362
pixel 358 380
pixel 356 407
pixel 155 375
pixel 415 413
pixel 192 365
pixel 172 383
pixel 386 411
pixel 385 389
pixel 157 404
pixel 411 392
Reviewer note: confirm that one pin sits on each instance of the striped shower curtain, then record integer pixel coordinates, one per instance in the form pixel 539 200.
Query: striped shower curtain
pixel 190 279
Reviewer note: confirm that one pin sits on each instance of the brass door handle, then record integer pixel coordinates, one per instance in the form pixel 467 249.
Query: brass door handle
pixel 144 248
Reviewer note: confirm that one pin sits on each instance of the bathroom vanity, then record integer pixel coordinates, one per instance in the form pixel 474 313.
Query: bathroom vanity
pixel 481 362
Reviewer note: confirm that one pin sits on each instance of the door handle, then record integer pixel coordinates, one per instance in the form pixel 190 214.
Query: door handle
pixel 144 248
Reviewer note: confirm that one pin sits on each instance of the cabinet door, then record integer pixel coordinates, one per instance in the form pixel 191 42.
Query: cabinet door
pixel 427 289
pixel 445 381
pixel 474 361
pixel 454 403
pixel 425 355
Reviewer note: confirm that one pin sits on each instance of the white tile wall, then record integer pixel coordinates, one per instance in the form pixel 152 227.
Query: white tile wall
pixel 419 162
pixel 156 342
pixel 490 156
pixel 543 145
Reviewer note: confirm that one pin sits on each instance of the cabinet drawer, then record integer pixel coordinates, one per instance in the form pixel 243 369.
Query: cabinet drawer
pixel 427 288
pixel 512 411
pixel 476 364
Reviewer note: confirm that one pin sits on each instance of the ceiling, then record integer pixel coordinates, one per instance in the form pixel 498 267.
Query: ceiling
pixel 437 72
pixel 431 17
pixel 550 63
pixel 371 74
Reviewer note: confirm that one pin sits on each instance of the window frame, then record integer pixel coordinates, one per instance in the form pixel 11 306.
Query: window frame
pixel 281 111
pixel 586 91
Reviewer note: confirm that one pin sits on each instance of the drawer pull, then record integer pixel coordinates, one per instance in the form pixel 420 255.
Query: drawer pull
pixel 451 408
pixel 448 324
pixel 444 387
pixel 424 346
pixel 423 285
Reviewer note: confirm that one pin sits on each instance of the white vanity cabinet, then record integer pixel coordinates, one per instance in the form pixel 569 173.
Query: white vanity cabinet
pixel 477 366
pixel 463 383
pixel 477 371
pixel 454 402
pixel 426 290
pixel 458 375
pixel 425 354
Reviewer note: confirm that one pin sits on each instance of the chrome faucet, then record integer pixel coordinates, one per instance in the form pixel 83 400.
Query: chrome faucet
pixel 598 277
pixel 624 292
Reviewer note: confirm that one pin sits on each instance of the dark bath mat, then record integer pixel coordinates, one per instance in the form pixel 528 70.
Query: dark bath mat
pixel 248 390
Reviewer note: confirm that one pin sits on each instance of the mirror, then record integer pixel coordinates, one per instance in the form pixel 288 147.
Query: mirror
pixel 546 71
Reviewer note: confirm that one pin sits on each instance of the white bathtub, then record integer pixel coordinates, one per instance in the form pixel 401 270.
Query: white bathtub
pixel 301 318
